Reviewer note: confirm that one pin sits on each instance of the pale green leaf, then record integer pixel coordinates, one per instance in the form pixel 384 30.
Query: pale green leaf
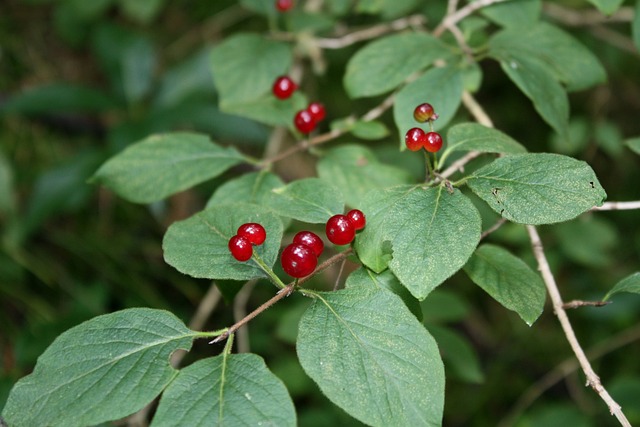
pixel 372 357
pixel 629 284
pixel 246 65
pixel 268 109
pixel 384 64
pixel 251 187
pixel 198 246
pixel 355 170
pixel 508 280
pixel 607 6
pixel 424 235
pixel 369 130
pixel 516 14
pixel 633 144
pixel 538 188
pixel 164 164
pixel 310 200
pixel 441 87
pixel 103 369
pixel 226 390
pixel 460 358
pixel 475 137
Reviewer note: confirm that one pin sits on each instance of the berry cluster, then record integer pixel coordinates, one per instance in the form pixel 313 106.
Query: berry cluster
pixel 300 258
pixel 247 235
pixel 341 229
pixel 305 120
pixel 416 138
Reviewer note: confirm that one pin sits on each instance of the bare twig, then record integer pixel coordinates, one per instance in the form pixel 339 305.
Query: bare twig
pixel 580 303
pixel 458 165
pixel 617 206
pixel 499 223
pixel 592 379
pixel 454 18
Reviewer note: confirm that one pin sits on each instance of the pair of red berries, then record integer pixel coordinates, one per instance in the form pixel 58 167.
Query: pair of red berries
pixel 247 235
pixel 341 229
pixel 416 138
pixel 300 258
pixel 305 120
pixel 284 5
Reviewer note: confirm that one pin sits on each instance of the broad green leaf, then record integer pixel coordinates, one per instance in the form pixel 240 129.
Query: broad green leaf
pixel 251 187
pixel 516 14
pixel 633 144
pixel 423 235
pixel 564 56
pixel 164 164
pixel 607 6
pixel 268 109
pixel 372 357
pixel 629 284
pixel 475 137
pixel 103 369
pixel 226 390
pixel 508 280
pixel 589 240
pixel 387 8
pixel 609 138
pixel 58 98
pixel 635 26
pixel 441 87
pixel 540 86
pixel 538 188
pixel 190 78
pixel 385 280
pixel 198 246
pixel 143 11
pixel 442 306
pixel 355 170
pixel 369 130
pixel 460 359
pixel 310 200
pixel 384 64
pixel 245 66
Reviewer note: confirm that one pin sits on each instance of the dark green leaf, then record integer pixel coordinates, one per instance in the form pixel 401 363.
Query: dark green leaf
pixel 460 358
pixel 310 200
pixel 540 188
pixel 423 235
pixel 355 170
pixel 372 357
pixel 198 246
pixel 517 14
pixel 635 26
pixel 587 240
pixel 143 11
pixel 164 164
pixel 443 306
pixel 58 99
pixel 103 369
pixel 441 87
pixel 508 280
pixel 188 79
pixel 226 390
pixel 475 137
pixel 7 200
pixel 629 284
pixel 251 187
pixel 384 64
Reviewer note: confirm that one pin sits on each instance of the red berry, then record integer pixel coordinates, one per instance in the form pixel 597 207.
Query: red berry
pixel 424 112
pixel 433 142
pixel 317 111
pixel 284 87
pixel 357 218
pixel 414 139
pixel 340 230
pixel 240 248
pixel 311 240
pixel 298 260
pixel 253 232
pixel 304 121
pixel 284 5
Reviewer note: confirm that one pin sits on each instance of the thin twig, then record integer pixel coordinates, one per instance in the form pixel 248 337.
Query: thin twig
pixel 453 19
pixel 617 206
pixel 499 223
pixel 592 379
pixel 579 303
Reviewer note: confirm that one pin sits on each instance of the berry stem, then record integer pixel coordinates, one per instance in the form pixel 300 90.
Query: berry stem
pixel 276 280
pixel 428 170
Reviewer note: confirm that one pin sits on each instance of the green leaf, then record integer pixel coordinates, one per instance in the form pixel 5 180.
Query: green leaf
pixel 387 8
pixel 423 235
pixel 372 357
pixel 103 369
pixel 475 137
pixel 384 64
pixel 355 170
pixel 58 98
pixel 262 7
pixel 226 390
pixel 443 89
pixel 198 246
pixel 508 280
pixel 310 200
pixel 635 26
pixel 629 284
pixel 588 240
pixel 268 109
pixel 369 130
pixel 143 11
pixel 245 66
pixel 251 187
pixel 189 79
pixel 460 358
pixel 553 49
pixel 7 197
pixel 164 164
pixel 633 144
pixel 517 14
pixel 607 6
pixel 538 188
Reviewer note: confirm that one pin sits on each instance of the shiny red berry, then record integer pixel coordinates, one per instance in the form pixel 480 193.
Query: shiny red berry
pixel 414 139
pixel 433 142
pixel 298 260
pixel 304 121
pixel 253 232
pixel 357 218
pixel 317 111
pixel 284 87
pixel 284 5
pixel 311 240
pixel 340 230
pixel 240 248
pixel 424 112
